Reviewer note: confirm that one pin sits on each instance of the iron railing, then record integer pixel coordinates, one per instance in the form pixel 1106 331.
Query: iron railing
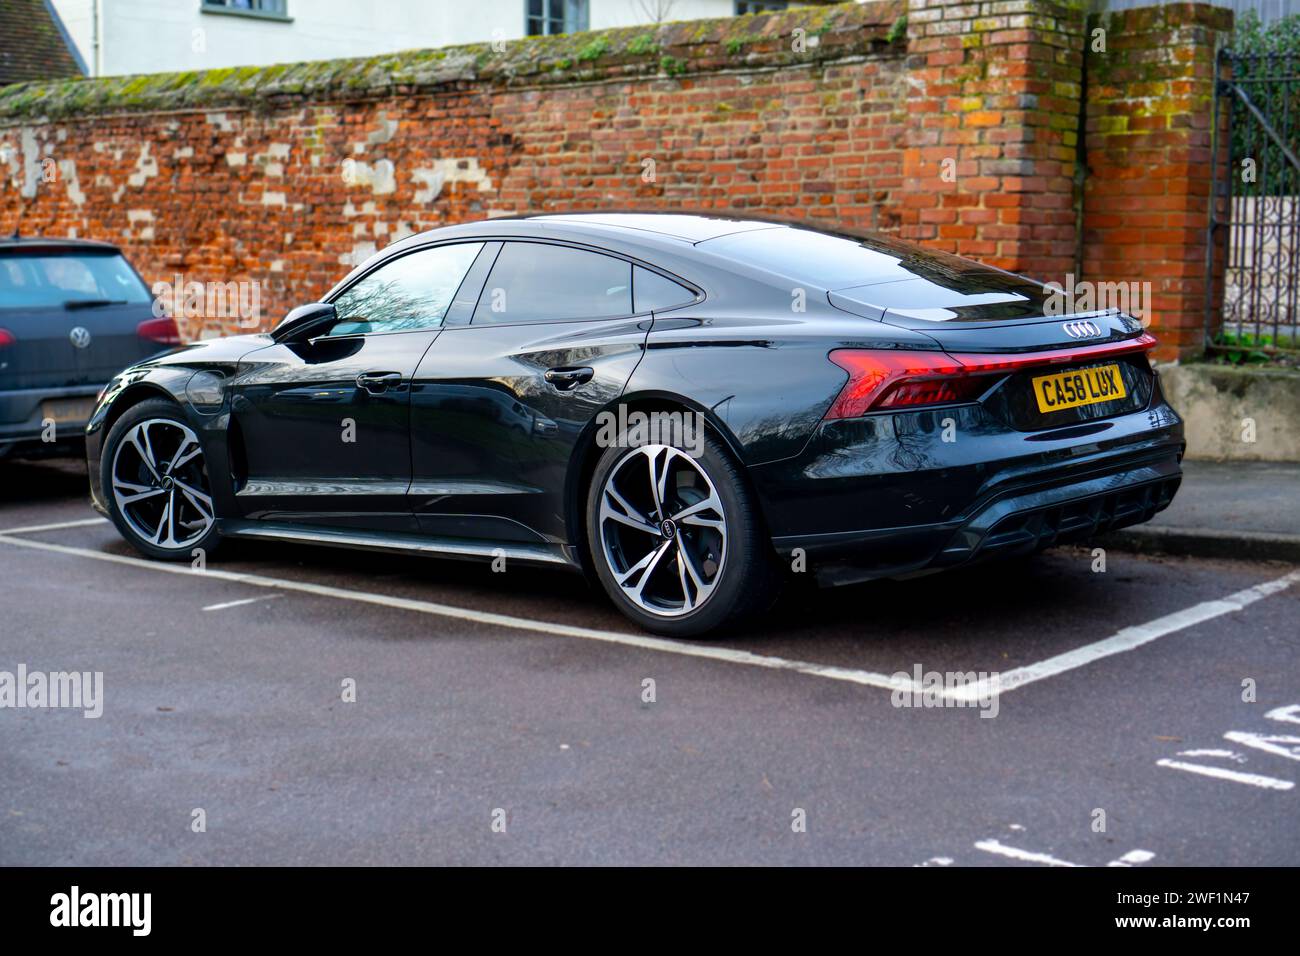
pixel 1255 221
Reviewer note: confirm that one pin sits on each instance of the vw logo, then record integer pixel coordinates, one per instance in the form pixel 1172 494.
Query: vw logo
pixel 80 337
pixel 1081 329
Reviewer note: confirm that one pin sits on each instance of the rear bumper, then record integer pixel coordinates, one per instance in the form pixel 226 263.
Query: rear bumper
pixel 22 422
pixel 1017 524
pixel 887 496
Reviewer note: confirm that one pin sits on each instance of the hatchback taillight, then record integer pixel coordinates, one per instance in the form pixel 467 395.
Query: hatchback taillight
pixel 163 331
pixel 891 379
pixel 6 338
pixel 881 380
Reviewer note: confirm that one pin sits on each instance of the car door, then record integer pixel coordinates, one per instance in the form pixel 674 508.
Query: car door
pixel 322 424
pixel 500 400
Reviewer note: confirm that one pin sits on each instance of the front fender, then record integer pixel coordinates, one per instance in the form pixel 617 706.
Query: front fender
pixel 191 386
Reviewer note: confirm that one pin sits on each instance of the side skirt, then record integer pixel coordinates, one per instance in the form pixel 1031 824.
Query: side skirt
pixel 427 545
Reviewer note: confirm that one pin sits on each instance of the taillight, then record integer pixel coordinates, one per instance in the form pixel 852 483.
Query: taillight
pixel 163 331
pixel 890 379
pixel 6 338
pixel 978 363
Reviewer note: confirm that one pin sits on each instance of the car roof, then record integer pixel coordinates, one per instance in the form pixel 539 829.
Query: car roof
pixel 684 226
pixel 34 244
pixel 753 248
pixel 642 229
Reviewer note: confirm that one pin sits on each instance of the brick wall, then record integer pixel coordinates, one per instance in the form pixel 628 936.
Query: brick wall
pixel 995 94
pixel 288 176
pixel 956 126
pixel 1148 142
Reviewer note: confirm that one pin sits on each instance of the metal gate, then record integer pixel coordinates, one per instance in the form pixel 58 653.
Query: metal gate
pixel 1253 257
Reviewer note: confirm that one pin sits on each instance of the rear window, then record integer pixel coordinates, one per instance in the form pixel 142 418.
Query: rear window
pixel 831 262
pixel 841 262
pixel 54 280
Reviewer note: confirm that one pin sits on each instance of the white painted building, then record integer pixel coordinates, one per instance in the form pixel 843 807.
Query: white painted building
pixel 116 37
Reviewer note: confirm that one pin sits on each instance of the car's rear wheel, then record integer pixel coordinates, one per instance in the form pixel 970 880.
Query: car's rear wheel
pixel 676 539
pixel 155 481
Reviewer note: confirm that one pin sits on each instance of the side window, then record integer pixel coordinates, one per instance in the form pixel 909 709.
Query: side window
pixel 536 282
pixel 406 295
pixel 651 292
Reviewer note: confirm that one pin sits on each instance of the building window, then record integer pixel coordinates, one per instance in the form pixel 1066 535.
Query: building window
pixel 267 9
pixel 760 6
pixel 554 16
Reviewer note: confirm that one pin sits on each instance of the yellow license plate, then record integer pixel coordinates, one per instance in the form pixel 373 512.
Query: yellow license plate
pixel 60 410
pixel 1084 386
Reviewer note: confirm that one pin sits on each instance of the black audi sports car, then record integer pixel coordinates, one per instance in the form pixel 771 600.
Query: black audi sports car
pixel 864 408
pixel 72 312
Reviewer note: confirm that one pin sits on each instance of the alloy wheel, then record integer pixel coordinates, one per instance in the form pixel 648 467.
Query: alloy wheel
pixel 160 484
pixel 663 530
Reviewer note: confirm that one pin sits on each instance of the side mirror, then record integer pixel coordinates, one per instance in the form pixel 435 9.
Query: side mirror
pixel 303 319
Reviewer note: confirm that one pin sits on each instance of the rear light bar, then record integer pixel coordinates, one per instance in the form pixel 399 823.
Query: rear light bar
pixel 6 338
pixel 163 331
pixel 883 379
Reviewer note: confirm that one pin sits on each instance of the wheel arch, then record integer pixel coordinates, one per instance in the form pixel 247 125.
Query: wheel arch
pixel 132 396
pixel 587 453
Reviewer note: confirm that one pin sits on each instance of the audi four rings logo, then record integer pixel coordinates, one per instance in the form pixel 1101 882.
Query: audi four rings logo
pixel 1081 330
pixel 80 337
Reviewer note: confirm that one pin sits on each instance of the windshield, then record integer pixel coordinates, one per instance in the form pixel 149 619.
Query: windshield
pixel 58 279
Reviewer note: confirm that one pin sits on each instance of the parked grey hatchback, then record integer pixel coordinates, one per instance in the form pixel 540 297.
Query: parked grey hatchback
pixel 73 313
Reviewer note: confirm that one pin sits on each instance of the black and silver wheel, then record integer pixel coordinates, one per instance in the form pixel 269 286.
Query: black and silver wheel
pixel 675 539
pixel 156 482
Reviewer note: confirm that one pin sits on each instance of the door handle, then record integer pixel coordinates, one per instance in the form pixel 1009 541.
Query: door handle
pixel 376 382
pixel 567 378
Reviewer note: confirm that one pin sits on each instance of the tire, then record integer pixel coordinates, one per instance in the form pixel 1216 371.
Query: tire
pixel 716 568
pixel 154 477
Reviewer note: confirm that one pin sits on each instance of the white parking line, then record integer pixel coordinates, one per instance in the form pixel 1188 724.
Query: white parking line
pixel 1129 859
pixel 1236 776
pixel 31 529
pixel 1024 856
pixel 480 617
pixel 1125 640
pixel 240 603
pixel 1133 857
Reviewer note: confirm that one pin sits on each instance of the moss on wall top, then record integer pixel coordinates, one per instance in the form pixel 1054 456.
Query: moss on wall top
pixel 692 46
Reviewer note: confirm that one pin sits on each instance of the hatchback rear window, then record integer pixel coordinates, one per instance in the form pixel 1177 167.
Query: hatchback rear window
pixel 53 280
pixel 841 262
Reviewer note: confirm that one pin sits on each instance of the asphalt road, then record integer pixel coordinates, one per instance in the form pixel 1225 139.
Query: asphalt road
pixel 225 694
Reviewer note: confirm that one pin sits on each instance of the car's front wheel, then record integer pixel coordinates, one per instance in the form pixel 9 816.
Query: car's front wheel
pixel 155 480
pixel 676 539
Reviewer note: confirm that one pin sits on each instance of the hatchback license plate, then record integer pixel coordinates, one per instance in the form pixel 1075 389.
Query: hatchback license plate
pixel 60 410
pixel 1084 386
